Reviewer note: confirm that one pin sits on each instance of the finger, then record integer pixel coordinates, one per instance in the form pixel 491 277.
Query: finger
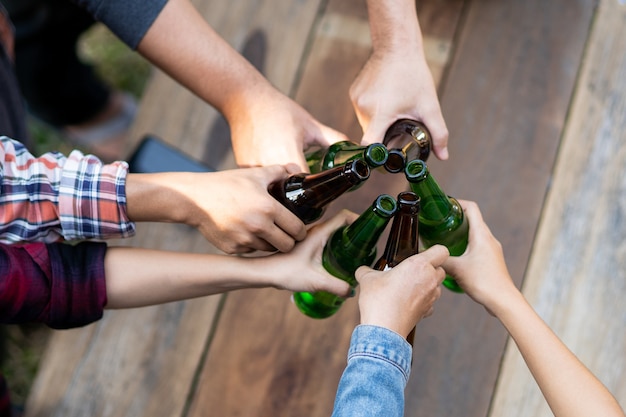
pixel 435 255
pixel 335 286
pixel 362 273
pixel 328 136
pixel 273 173
pixel 375 130
pixel 439 137
pixel 292 168
pixel 287 223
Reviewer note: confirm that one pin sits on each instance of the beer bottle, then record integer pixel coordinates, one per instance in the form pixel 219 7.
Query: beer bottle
pixel 408 137
pixel 402 241
pixel 307 195
pixel 348 248
pixel 396 161
pixel 341 152
pixel 441 218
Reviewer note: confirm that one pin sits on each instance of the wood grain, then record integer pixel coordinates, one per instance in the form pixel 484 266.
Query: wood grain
pixel 267 359
pixel 576 278
pixel 143 362
pixel 505 99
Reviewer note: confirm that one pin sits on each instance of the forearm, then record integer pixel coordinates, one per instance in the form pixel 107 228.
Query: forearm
pixel 183 44
pixel 568 386
pixel 54 197
pixel 394 25
pixel 156 197
pixel 138 277
pixel 373 383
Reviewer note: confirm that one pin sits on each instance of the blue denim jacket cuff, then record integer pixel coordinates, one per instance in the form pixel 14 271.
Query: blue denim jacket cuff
pixel 383 344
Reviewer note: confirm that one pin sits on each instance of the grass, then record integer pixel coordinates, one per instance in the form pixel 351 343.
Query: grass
pixel 23 345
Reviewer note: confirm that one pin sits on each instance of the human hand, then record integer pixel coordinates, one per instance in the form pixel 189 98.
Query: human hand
pixel 398 85
pixel 400 297
pixel 270 128
pixel 302 269
pixel 481 271
pixel 231 208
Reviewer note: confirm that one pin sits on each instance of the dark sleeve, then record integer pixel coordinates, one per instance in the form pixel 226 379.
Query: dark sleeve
pixel 128 19
pixel 58 284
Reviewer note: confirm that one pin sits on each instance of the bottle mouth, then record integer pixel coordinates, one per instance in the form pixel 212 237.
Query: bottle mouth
pixel 416 169
pixel 395 161
pixel 386 204
pixel 377 154
pixel 361 168
pixel 409 198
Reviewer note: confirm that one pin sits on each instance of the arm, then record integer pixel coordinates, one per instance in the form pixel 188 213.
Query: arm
pixel 267 127
pixel 56 284
pixel 66 286
pixel 568 386
pixel 231 208
pixel 379 358
pixel 396 82
pixel 140 277
pixel 56 197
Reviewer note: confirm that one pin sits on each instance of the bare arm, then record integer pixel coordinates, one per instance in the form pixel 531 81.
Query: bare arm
pixel 231 208
pixel 182 43
pixel 570 389
pixel 396 82
pixel 140 277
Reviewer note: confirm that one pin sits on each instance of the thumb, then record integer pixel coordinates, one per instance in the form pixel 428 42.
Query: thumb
pixel 375 131
pixel 328 136
pixel 274 172
pixel 335 286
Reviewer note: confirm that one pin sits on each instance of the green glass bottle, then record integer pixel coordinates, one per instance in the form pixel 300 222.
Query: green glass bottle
pixel 341 152
pixel 308 195
pixel 406 140
pixel 441 219
pixel 403 239
pixel 348 248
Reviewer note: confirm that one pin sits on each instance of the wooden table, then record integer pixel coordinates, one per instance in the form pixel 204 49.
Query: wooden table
pixel 534 94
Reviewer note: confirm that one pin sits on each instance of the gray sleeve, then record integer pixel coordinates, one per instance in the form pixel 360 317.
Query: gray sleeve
pixel 128 19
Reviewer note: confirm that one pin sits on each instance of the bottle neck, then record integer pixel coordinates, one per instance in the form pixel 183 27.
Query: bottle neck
pixel 403 240
pixel 321 188
pixel 362 235
pixel 341 153
pixel 435 204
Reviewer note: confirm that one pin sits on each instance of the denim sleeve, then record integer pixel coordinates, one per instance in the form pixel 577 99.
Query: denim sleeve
pixel 373 383
pixel 128 19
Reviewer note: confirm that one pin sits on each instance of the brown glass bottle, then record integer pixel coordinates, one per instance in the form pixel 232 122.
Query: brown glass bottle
pixel 403 239
pixel 409 138
pixel 307 195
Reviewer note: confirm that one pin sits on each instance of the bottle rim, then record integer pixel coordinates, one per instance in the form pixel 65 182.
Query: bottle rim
pixel 386 205
pixel 416 170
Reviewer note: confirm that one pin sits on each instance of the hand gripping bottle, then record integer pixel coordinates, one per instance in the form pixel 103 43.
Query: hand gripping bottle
pixel 402 241
pixel 441 218
pixel 348 248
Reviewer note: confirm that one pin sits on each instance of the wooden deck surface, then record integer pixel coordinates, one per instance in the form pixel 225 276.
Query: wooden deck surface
pixel 534 94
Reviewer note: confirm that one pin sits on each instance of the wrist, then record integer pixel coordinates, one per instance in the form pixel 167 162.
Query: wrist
pixel 154 197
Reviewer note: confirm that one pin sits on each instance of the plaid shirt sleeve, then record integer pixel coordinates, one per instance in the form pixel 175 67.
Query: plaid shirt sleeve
pixel 57 284
pixel 53 197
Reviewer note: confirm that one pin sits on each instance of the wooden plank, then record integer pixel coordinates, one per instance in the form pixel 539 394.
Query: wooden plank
pixel 577 273
pixel 265 350
pixel 505 100
pixel 143 362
